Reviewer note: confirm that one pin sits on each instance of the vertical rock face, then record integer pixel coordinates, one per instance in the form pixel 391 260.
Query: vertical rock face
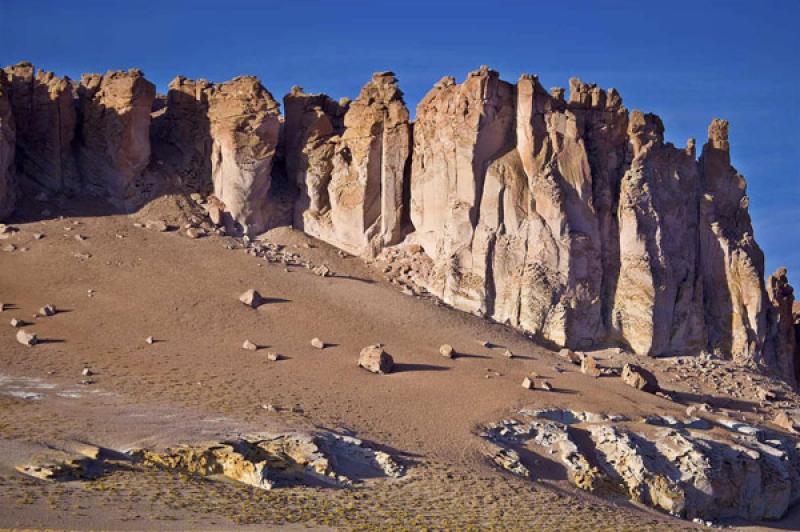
pixel 782 338
pixel 732 263
pixel 44 107
pixel 181 137
pixel 349 162
pixel 114 142
pixel 8 185
pixel 245 126
pixel 658 306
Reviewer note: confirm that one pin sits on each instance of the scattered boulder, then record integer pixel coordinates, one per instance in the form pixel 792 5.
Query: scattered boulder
pixel 47 310
pixel 17 323
pixel 251 298
pixel 373 358
pixel 447 351
pixel 150 340
pixel 194 233
pixel 639 378
pixel 26 338
pixel 319 344
pixel 157 225
pixel 249 346
pixel 508 353
pixel 589 366
pixel 87 372
pixel 273 356
pixel 527 383
pixel 570 355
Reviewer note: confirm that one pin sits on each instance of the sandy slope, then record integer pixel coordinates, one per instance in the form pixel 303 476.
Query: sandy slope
pixel 184 293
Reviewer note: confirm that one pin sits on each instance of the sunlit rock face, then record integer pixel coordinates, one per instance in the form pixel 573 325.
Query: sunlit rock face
pixel 349 161
pixel 113 139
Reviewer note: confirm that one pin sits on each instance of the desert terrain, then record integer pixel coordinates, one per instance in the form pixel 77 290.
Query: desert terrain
pixel 121 283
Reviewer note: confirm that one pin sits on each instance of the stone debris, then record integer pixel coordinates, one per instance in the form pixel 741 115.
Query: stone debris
pixel 527 383
pixel 508 353
pixel 322 271
pixel 47 310
pixel 639 378
pixel 38 236
pixel 150 340
pixel 570 355
pixel 249 346
pixel 157 225
pixel 194 232
pixel 251 298
pixel 26 338
pixel 273 356
pixel 375 359
pixel 17 323
pixel 316 342
pixel 447 351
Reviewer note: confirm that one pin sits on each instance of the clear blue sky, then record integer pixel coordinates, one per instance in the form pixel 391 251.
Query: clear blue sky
pixel 688 61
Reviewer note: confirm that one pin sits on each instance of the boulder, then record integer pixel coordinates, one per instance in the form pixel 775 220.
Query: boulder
pixel 251 298
pixel 26 338
pixel 373 358
pixel 447 351
pixel 639 378
pixel 316 342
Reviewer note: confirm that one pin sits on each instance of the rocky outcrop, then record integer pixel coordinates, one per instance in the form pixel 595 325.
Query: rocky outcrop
pixel 685 469
pixel 349 162
pixel 782 340
pixel 731 261
pixel 244 125
pixel 113 142
pixel 8 183
pixel 46 118
pixel 181 138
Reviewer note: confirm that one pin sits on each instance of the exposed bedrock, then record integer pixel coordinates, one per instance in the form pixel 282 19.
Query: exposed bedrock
pixel 349 162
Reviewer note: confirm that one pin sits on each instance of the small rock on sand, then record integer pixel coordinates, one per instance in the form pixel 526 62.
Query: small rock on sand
pixel 570 355
pixel 273 356
pixel 26 338
pixel 508 354
pixel 251 298
pixel 250 346
pixel 319 344
pixel 527 383
pixel 150 340
pixel 639 378
pixel 546 386
pixel 589 366
pixel 87 372
pixel 47 310
pixel 16 323
pixel 447 350
pixel 38 236
pixel 157 225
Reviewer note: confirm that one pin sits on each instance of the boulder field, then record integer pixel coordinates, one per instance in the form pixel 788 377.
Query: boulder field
pixel 562 215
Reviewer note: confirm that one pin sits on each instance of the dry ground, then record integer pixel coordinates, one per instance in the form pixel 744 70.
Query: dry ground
pixel 197 381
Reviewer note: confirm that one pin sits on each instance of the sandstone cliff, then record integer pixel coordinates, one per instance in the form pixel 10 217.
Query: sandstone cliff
pixel 568 218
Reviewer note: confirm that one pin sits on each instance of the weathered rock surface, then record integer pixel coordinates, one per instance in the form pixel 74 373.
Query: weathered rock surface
pixel 373 358
pixel 690 472
pixel 46 119
pixel 349 162
pixel 782 339
pixel 244 126
pixel 8 182
pixel 639 378
pixel 114 136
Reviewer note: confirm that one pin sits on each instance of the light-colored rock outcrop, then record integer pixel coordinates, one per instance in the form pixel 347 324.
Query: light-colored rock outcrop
pixel 8 182
pixel 731 262
pixel 349 162
pixel 244 125
pixel 46 119
pixel 686 469
pixel 114 139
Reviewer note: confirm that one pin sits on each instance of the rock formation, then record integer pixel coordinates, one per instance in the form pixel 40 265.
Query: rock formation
pixel 349 162
pixel 8 183
pixel 46 118
pixel 570 219
pixel 244 125
pixel 113 143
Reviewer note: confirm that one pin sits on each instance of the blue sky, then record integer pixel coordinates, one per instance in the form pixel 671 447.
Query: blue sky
pixel 688 61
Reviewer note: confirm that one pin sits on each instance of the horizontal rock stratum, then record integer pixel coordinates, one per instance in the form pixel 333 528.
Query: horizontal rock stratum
pixel 565 216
